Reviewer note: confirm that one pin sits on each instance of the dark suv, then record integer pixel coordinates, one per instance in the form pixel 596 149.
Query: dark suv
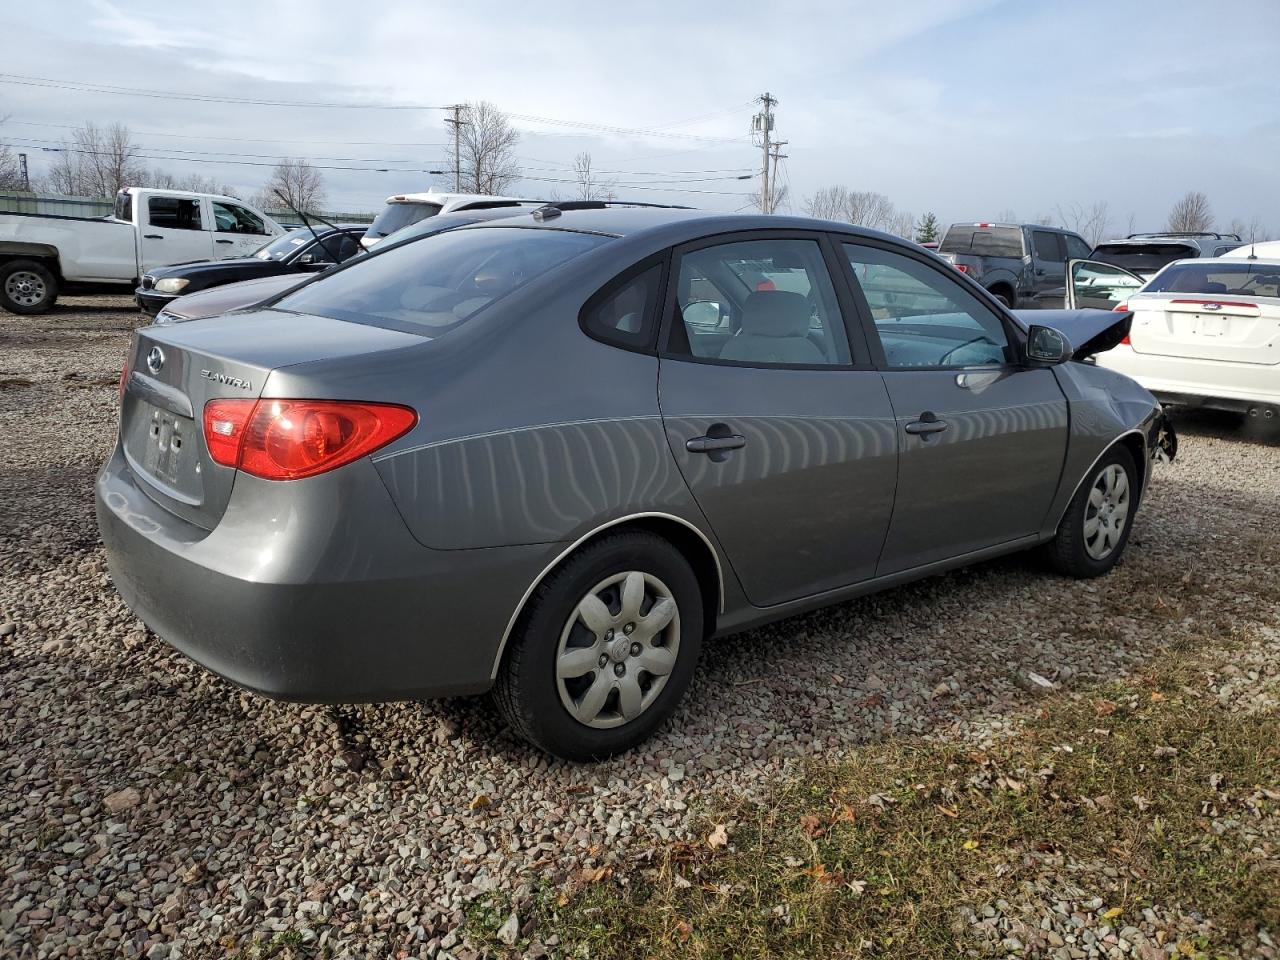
pixel 1021 264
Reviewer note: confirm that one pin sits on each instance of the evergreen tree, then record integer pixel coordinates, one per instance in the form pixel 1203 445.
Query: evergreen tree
pixel 927 229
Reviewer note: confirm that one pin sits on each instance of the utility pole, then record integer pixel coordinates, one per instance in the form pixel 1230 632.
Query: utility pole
pixel 775 155
pixel 762 124
pixel 22 166
pixel 456 122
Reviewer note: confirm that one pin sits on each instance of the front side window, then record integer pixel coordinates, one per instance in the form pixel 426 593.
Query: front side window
pixel 762 302
pixel 174 213
pixel 281 247
pixel 923 317
pixel 1048 245
pixel 231 218
pixel 437 283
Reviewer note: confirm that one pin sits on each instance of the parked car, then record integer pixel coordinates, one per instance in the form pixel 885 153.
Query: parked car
pixel 42 255
pixel 1205 332
pixel 296 253
pixel 1145 254
pixel 247 293
pixel 406 209
pixel 1266 249
pixel 453 467
pixel 1022 265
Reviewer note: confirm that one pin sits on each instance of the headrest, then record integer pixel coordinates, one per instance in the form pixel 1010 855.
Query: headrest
pixel 776 313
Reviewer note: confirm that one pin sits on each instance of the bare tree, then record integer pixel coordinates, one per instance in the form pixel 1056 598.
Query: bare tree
pixel 1191 214
pixel 1250 232
pixel 1090 223
pixel 863 207
pixel 10 168
pixel 828 203
pixel 1007 215
pixel 486 148
pixel 97 162
pixel 1046 220
pixel 779 197
pixel 1131 225
pixel 300 183
pixel 590 185
pixel 194 182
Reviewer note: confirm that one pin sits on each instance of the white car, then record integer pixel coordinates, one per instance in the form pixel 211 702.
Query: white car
pixel 1263 249
pixel 1205 332
pixel 42 255
pixel 406 209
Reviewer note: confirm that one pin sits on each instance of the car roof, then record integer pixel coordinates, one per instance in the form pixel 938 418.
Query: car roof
pixel 1266 261
pixel 682 224
pixel 1262 249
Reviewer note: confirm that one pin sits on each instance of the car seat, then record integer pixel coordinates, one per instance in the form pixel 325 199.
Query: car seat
pixel 775 329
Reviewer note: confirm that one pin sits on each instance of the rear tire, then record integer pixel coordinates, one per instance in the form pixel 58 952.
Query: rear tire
pixel 27 287
pixel 1096 526
pixel 586 674
pixel 1003 297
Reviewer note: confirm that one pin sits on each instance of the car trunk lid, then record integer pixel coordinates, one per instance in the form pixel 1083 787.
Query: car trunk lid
pixel 1238 329
pixel 175 370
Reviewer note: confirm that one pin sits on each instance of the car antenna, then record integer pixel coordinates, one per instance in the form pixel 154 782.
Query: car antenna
pixel 307 223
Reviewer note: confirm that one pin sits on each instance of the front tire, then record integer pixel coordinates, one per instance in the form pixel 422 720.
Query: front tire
pixel 604 650
pixel 27 286
pixel 1095 528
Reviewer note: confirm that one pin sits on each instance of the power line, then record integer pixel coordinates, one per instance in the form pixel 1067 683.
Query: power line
pixel 41 143
pixel 193 136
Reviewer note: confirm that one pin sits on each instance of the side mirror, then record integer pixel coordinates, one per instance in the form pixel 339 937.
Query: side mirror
pixel 702 313
pixel 1047 346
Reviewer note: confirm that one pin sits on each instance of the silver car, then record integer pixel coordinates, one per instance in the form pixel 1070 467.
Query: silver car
pixel 550 456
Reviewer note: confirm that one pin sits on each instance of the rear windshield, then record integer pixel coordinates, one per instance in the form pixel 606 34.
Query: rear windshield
pixel 397 216
pixel 1237 279
pixel 983 241
pixel 437 283
pixel 1142 257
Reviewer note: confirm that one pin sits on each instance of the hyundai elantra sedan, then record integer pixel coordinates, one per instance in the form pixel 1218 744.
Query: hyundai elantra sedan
pixel 550 456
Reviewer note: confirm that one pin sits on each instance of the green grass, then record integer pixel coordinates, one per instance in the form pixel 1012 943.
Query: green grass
pixel 881 854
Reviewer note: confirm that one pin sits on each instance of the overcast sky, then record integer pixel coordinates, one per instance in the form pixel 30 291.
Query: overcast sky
pixel 968 108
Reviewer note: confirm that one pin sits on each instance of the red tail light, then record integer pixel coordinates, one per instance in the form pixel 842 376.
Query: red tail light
pixel 963 267
pixel 1120 308
pixel 766 284
pixel 292 439
pixel 1125 342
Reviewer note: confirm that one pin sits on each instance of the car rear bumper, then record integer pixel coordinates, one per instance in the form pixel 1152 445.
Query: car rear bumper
pixel 1202 382
pixel 335 627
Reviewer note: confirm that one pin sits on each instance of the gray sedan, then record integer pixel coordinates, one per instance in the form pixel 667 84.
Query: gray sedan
pixel 550 456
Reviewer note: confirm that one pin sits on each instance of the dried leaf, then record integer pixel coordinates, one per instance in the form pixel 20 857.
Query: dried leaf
pixel 1157 697
pixel 971 844
pixel 684 930
pixel 1112 913
pixel 948 811
pixel 1104 708
pixel 1140 802
pixel 981 759
pixel 595 874
pixel 845 815
pixel 1215 781
pixel 812 826
pixel 478 801
pixel 719 837
pixel 857 886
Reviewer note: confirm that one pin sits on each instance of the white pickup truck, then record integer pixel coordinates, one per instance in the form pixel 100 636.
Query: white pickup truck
pixel 43 255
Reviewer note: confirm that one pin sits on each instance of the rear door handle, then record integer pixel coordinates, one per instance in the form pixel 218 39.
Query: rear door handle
pixel 224 241
pixel 152 236
pixel 715 444
pixel 927 424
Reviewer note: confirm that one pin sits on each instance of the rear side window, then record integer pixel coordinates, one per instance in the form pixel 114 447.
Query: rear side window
pixel 174 213
pixel 435 284
pixel 1077 249
pixel 625 312
pixel 1048 245
pixel 983 241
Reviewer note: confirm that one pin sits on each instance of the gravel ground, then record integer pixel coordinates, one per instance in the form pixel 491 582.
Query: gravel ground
pixel 150 809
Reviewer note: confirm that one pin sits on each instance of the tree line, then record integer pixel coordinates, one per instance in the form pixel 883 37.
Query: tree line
pixel 1191 213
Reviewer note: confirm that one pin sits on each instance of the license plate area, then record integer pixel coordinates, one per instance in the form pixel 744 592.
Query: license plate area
pixel 165 448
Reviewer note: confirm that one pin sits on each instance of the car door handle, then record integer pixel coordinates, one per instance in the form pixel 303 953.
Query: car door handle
pixel 715 444
pixel 927 424
pixel 224 241
pixel 152 236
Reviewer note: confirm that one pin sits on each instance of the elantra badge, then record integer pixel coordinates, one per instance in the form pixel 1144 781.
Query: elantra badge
pixel 155 359
pixel 226 380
